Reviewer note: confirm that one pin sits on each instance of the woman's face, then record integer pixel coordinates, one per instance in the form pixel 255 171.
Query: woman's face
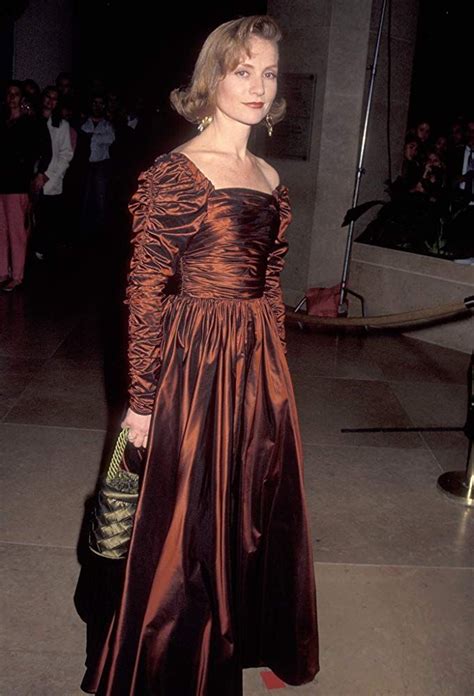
pixel 50 100
pixel 441 144
pixel 13 97
pixel 423 131
pixel 65 86
pixel 411 150
pixel 247 92
pixel 433 159
pixel 98 107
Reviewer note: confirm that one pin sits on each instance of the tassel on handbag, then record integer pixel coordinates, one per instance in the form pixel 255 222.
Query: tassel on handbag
pixel 114 510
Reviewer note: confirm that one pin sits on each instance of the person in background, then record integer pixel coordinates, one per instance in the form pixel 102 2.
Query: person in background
pixel 460 160
pixel 99 134
pixel 114 107
pixel 69 101
pixel 48 209
pixel 32 97
pixel 456 134
pixel 434 170
pixel 421 132
pixel 65 85
pixel 25 147
pixel 411 165
pixel 460 174
pixel 441 146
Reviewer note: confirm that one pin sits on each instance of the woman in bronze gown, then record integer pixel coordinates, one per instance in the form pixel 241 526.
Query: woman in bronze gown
pixel 219 575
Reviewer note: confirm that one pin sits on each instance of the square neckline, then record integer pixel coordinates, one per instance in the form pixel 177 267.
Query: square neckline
pixel 273 194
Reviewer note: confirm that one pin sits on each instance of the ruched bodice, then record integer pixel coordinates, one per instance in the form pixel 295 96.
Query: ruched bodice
pixel 228 258
pixel 220 572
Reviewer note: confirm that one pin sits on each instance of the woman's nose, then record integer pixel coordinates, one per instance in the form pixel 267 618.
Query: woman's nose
pixel 257 86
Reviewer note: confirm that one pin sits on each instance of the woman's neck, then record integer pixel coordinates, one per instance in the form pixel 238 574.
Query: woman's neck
pixel 227 136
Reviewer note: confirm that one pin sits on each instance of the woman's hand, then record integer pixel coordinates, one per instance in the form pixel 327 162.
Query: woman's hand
pixel 138 427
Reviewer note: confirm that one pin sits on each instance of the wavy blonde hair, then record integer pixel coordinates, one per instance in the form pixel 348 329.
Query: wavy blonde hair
pixel 222 51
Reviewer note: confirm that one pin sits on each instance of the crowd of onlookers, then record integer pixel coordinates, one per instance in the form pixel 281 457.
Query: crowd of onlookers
pixel 431 207
pixel 65 154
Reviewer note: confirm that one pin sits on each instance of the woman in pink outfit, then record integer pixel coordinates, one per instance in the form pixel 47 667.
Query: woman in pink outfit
pixel 26 152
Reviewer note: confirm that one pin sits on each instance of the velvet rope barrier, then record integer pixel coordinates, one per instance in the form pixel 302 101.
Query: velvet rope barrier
pixel 402 320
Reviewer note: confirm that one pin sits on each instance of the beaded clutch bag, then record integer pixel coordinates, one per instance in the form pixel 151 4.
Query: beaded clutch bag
pixel 113 514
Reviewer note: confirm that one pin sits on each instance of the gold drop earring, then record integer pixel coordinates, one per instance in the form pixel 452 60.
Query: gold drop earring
pixel 269 125
pixel 204 123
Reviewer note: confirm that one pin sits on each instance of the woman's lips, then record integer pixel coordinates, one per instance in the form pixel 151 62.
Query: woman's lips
pixel 254 105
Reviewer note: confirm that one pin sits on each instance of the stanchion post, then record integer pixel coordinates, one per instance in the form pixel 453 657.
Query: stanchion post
pixel 459 485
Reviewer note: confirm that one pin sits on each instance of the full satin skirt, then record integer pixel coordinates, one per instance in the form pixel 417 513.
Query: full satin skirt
pixel 220 572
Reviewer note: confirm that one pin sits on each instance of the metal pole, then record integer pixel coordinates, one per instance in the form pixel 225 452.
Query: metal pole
pixel 459 485
pixel 342 308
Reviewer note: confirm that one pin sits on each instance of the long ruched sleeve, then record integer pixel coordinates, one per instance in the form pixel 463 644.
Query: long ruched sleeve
pixel 167 210
pixel 275 263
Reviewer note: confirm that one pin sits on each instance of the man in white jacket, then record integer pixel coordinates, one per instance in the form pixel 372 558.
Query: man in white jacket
pixel 48 209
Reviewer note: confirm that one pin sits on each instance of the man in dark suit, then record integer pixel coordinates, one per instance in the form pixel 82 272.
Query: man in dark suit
pixel 460 176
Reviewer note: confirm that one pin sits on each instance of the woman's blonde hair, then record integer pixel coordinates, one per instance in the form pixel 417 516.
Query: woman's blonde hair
pixel 222 52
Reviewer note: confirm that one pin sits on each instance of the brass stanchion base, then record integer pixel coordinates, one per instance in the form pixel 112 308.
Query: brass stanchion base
pixel 456 485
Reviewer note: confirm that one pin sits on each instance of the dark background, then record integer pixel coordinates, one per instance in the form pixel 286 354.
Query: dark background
pixel 137 45
pixel 443 70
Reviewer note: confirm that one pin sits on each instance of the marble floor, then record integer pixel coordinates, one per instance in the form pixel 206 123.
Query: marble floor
pixel 393 562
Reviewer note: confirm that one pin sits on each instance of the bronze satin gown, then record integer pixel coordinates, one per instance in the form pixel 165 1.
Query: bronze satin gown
pixel 220 570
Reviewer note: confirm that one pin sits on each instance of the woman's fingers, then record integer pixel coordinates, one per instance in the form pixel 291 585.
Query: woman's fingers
pixel 137 426
pixel 137 438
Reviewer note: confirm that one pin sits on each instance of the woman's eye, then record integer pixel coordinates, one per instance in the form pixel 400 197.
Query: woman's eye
pixel 271 75
pixel 242 73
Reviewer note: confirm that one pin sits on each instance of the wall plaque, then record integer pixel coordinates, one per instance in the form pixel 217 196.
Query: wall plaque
pixel 291 137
